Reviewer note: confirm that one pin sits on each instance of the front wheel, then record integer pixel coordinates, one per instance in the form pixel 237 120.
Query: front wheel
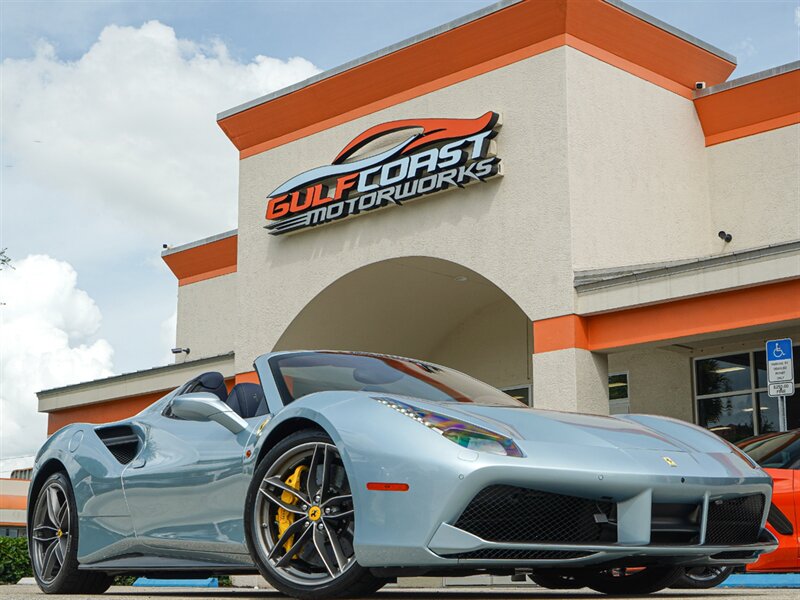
pixel 702 578
pixel 53 542
pixel 300 521
pixel 634 582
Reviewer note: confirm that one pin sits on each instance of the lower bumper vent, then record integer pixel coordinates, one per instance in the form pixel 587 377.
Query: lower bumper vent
pixel 735 521
pixel 505 554
pixel 510 514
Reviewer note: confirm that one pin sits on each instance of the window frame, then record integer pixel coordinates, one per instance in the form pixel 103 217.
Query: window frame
pixel 752 391
pixel 627 397
pixel 527 386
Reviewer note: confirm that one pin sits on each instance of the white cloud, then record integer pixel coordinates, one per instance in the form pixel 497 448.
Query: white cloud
pixel 746 48
pixel 128 131
pixel 109 155
pixel 47 326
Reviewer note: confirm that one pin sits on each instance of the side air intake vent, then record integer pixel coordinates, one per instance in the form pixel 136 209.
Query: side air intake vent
pixel 121 441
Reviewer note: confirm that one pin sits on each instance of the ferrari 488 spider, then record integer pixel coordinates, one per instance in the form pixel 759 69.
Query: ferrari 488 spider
pixel 341 471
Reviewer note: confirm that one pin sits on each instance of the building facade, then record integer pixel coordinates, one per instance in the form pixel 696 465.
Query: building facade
pixel 567 199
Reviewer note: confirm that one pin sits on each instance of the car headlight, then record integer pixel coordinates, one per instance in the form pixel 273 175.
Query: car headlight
pixel 466 435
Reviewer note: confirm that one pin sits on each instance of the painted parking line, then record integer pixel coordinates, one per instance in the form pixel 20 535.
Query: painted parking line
pixel 762 580
pixel 210 582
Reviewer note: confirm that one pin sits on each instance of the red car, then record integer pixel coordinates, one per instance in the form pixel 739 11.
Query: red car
pixel 779 455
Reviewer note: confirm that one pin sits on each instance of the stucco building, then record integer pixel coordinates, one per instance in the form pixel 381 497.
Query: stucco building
pixel 642 229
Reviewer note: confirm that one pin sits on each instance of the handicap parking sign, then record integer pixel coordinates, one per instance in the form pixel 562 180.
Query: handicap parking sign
pixel 779 361
pixel 779 350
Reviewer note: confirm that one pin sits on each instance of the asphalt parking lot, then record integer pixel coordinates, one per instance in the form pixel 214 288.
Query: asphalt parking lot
pixel 506 593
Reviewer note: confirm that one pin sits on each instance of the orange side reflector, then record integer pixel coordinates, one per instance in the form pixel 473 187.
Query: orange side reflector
pixel 387 487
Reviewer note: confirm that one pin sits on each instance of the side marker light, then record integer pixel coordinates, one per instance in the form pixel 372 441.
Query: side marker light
pixel 387 487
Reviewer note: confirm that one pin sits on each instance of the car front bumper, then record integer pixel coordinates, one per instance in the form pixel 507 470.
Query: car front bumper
pixel 422 533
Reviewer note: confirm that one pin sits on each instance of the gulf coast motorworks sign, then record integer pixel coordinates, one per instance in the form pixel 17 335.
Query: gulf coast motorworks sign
pixel 445 154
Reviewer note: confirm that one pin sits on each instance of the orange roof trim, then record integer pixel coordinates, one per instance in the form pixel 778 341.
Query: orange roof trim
pixel 494 40
pixel 203 260
pixel 752 108
pixel 722 311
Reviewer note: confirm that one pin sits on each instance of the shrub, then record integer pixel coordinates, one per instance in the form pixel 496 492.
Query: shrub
pixel 14 561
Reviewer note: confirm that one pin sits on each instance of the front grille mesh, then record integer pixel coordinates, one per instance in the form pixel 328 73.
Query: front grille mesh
pixel 735 521
pixel 504 513
pixel 506 554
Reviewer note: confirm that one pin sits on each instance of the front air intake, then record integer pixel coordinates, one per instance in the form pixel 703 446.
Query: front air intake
pixel 505 513
pixel 121 441
pixel 735 521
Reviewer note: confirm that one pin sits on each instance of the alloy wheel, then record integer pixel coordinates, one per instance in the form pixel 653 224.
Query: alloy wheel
pixel 51 531
pixel 304 515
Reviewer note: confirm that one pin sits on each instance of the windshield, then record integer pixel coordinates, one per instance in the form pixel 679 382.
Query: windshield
pixel 304 373
pixel 774 451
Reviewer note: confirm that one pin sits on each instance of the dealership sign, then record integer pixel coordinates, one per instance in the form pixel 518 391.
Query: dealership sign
pixel 446 153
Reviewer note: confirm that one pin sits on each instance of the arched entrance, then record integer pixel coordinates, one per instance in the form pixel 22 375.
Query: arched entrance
pixel 424 308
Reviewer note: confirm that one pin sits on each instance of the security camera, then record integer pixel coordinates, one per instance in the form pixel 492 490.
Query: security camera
pixel 725 237
pixel 180 350
pixel 700 85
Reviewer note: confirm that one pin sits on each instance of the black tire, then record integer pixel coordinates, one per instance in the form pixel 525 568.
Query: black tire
pixel 62 578
pixel 633 582
pixel 702 578
pixel 351 580
pixel 556 581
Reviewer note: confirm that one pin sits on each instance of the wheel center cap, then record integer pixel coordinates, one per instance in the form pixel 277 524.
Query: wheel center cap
pixel 59 533
pixel 314 513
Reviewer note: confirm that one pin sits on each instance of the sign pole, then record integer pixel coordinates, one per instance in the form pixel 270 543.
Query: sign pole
pixel 782 424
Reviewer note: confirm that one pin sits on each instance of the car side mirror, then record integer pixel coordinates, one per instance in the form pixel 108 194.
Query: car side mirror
pixel 204 406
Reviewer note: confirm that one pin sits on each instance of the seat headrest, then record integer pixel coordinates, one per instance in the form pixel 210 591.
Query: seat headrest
pixel 247 400
pixel 212 382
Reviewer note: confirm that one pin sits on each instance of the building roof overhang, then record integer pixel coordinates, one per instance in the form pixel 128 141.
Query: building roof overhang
pixel 203 259
pixel 494 37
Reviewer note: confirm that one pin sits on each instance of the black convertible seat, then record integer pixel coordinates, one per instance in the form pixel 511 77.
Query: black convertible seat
pixel 212 382
pixel 247 400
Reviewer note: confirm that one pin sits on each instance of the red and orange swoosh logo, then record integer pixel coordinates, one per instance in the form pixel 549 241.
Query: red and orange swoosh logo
pixel 433 130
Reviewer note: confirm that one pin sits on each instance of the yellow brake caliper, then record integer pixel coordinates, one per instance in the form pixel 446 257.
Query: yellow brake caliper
pixel 284 518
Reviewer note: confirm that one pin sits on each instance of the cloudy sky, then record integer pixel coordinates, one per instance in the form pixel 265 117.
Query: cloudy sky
pixel 110 148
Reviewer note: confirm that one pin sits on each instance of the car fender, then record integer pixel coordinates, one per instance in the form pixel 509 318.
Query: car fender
pixel 95 476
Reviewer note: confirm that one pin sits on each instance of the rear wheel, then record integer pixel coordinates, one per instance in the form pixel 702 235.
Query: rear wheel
pixel 300 521
pixel 643 580
pixel 702 578
pixel 53 542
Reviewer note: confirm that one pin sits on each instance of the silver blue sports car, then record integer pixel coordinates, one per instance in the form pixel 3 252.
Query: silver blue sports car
pixel 342 471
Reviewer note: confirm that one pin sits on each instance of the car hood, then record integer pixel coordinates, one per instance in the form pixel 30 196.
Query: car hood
pixel 557 427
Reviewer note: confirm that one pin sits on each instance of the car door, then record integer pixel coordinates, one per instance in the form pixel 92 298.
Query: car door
pixel 186 488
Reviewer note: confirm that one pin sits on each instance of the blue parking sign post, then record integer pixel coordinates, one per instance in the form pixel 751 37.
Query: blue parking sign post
pixel 780 375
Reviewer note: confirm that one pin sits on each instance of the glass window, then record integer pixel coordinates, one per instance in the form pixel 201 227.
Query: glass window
pixel 730 417
pixel 304 373
pixel 618 400
pixel 731 390
pixel 618 386
pixel 767 413
pixel 521 393
pixel 723 374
